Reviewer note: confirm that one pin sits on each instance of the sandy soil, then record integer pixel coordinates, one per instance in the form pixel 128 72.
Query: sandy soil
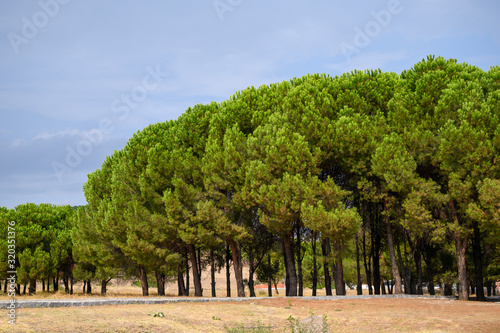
pixel 277 313
pixel 362 315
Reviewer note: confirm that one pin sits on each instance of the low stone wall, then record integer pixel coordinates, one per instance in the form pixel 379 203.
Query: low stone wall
pixel 54 303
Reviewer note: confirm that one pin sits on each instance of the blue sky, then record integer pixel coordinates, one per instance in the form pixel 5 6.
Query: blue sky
pixel 79 78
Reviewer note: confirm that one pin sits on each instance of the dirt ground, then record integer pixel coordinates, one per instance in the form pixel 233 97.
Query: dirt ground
pixel 271 314
pixel 361 315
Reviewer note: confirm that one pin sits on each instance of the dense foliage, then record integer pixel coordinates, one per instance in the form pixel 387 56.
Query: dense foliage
pixel 398 174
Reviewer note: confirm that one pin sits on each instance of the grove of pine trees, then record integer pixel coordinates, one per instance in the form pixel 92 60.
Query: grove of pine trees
pixel 362 178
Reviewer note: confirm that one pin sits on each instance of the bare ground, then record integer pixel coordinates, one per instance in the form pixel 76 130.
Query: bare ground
pixel 348 315
pixel 358 315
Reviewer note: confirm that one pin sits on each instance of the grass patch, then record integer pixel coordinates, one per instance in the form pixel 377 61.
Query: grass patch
pixel 255 327
pixel 269 315
pixel 307 325
pixel 157 314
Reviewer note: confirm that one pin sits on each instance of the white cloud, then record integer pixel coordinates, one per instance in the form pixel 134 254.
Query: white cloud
pixel 66 132
pixel 27 169
pixel 46 136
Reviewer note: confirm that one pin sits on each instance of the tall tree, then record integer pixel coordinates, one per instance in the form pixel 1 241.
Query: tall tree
pixel 42 242
pixel 324 211
pixel 433 110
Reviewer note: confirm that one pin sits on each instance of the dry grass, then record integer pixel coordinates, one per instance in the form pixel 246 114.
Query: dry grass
pixel 363 315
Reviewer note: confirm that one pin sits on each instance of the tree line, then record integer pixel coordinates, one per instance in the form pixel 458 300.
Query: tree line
pixel 397 175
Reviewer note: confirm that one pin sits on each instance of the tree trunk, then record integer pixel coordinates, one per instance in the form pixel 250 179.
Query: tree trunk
pixel 187 274
pixel 478 263
pixel 292 273
pixel 359 286
pixel 382 286
pixel 427 254
pixel 338 275
pixel 48 284
pixel 269 278
pixel 228 272
pixel 299 263
pixel 32 287
pixel 398 286
pixel 251 260
pixel 430 283
pixel 24 289
pixel 338 271
pixel 181 289
pixel 325 249
pixel 143 277
pixel 212 272
pixel 160 283
pixel 376 259
pixel 71 284
pixel 43 285
pixel 55 281
pixel 367 265
pixel 448 290
pixel 104 284
pixel 238 267
pixel 405 265
pixel 66 284
pixel 461 248
pixel 287 277
pixel 315 267
pixel 198 260
pixel 488 287
pixel 196 275
pixel 418 263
